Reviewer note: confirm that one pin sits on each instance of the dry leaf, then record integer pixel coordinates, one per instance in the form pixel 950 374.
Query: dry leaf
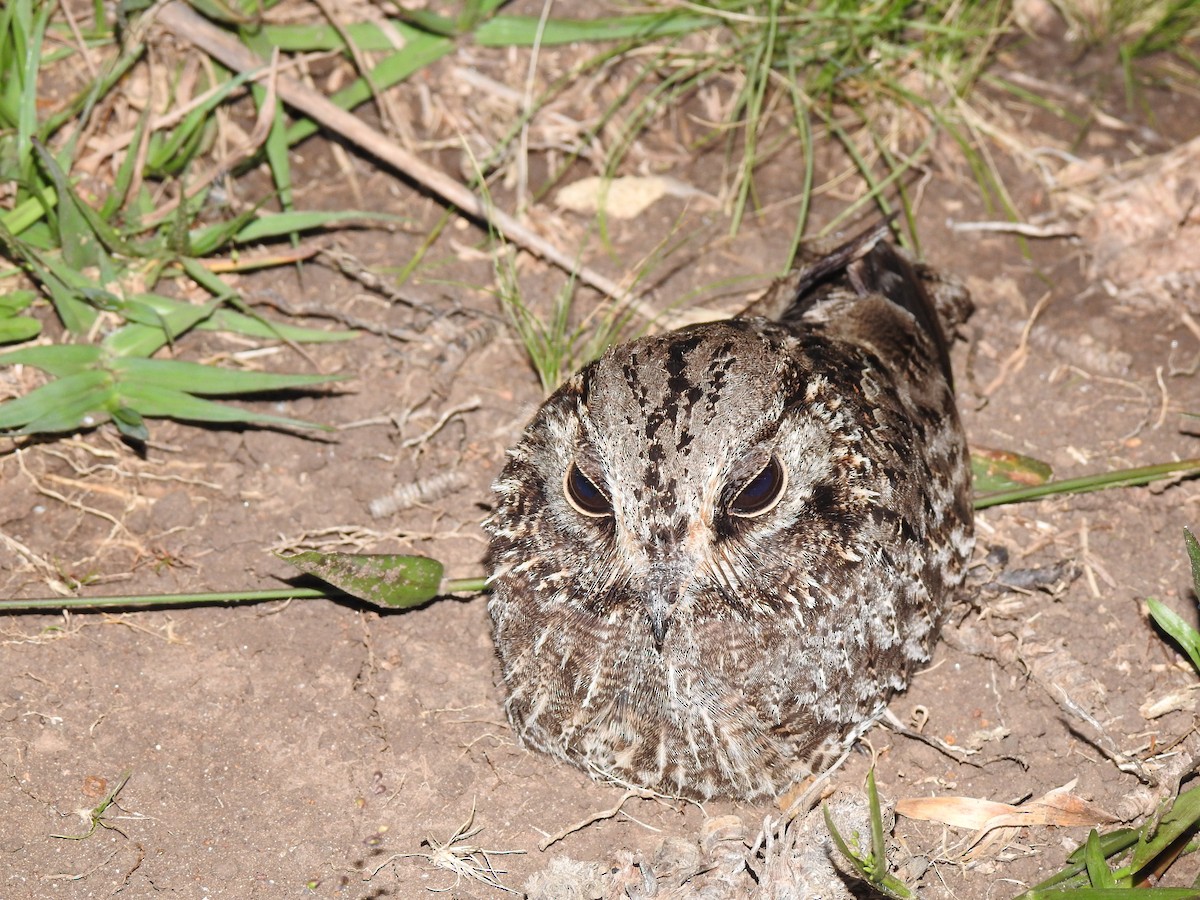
pixel 1057 807
pixel 622 198
pixel 961 812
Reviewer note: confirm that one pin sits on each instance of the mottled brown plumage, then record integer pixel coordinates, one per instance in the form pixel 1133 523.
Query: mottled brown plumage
pixel 717 552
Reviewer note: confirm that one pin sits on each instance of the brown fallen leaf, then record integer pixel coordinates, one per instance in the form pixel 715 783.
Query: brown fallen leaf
pixel 1056 807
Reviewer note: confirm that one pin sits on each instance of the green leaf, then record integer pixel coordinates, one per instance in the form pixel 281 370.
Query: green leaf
pixel 30 211
pixel 1113 894
pixel 240 323
pixel 15 301
pixel 63 284
pixel 18 328
pixel 154 321
pixel 120 188
pixel 1098 871
pixel 57 359
pixel 383 580
pixel 130 423
pixel 28 79
pixel 80 227
pixel 873 865
pixel 135 339
pixel 65 404
pixel 209 239
pixel 506 31
pixel 1001 470
pixel 1174 625
pixel 159 402
pixel 171 153
pixel 431 22
pixel 156 312
pixel 272 225
pixel 80 248
pixel 1193 549
pixel 179 375
pixel 1183 817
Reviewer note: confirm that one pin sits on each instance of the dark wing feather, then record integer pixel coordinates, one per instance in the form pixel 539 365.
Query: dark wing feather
pixel 866 265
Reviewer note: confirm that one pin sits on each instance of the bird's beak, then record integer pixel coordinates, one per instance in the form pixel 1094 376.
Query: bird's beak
pixel 662 593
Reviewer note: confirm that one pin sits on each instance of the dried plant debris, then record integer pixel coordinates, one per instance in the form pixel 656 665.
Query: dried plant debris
pixel 1143 230
pixel 789 860
pixel 421 491
pixel 995 824
pixel 458 855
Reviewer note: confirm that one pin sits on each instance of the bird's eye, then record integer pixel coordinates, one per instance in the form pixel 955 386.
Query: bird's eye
pixel 583 494
pixel 762 492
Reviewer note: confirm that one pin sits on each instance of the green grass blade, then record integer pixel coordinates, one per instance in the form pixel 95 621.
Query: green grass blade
pixel 65 404
pixel 159 402
pixel 171 153
pixel 500 31
pixel 85 604
pixel 1114 894
pixel 1087 483
pixel 11 38
pixel 240 323
pixel 130 423
pixel 136 339
pixel 432 23
pixel 84 226
pixel 18 328
pixel 272 225
pixel 58 360
pixel 1182 818
pixel 851 856
pixel 418 53
pixel 13 326
pixel 194 378
pixel 120 188
pixel 16 301
pixel 223 319
pixel 1099 873
pixel 1174 625
pixel 79 246
pixel 1193 549
pixel 155 320
pixel 276 146
pixel 276 149
pixel 61 283
pixel 205 241
pixel 27 109
pixel 28 212
pixel 207 280
pixel 522 31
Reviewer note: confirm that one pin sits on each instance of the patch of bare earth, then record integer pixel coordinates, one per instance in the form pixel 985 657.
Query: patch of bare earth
pixel 316 747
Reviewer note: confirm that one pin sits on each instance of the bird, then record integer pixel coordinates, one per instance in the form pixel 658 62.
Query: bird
pixel 717 552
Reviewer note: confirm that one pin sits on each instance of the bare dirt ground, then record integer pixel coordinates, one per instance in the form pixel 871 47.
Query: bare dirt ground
pixel 323 748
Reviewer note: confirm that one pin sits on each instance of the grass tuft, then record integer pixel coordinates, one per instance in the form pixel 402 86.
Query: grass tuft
pixel 110 258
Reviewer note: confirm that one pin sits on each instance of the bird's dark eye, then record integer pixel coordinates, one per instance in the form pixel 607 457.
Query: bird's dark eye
pixel 583 494
pixel 762 492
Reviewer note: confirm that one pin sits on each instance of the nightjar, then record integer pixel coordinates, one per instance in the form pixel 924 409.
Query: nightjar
pixel 718 551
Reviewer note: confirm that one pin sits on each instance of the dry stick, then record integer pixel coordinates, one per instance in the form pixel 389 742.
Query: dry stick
pixel 614 810
pixel 189 26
